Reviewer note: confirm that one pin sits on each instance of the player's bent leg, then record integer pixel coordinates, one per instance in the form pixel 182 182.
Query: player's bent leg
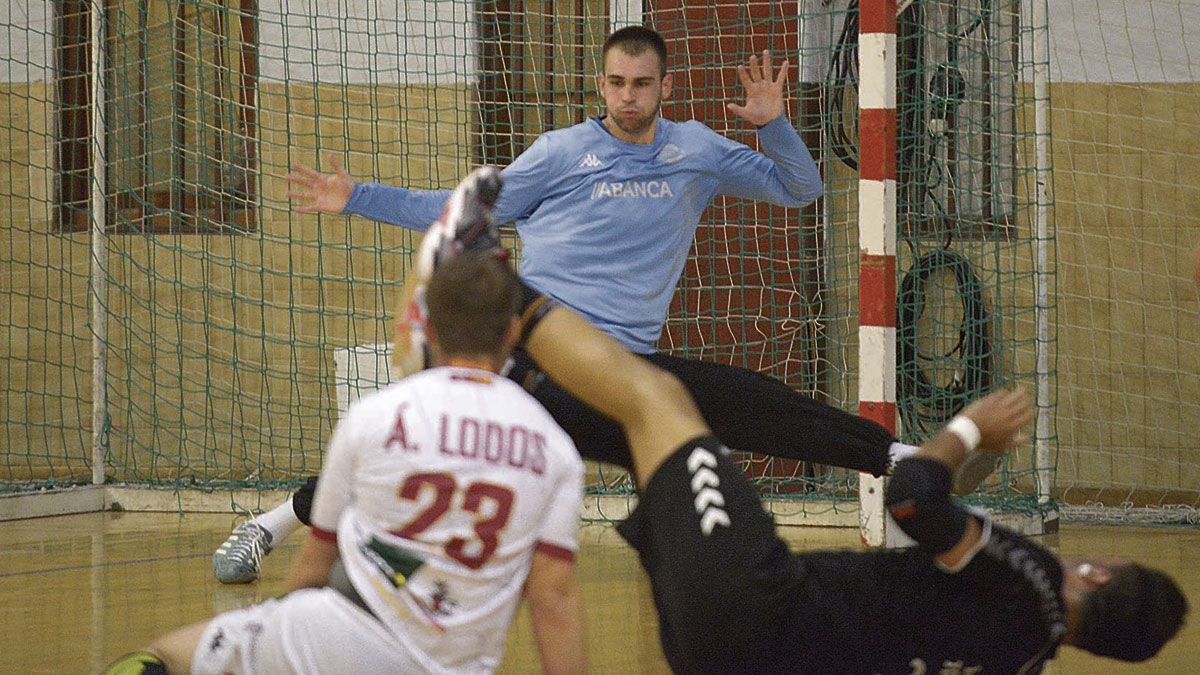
pixel 650 404
pixel 596 436
pixel 315 630
pixel 171 653
pixel 720 576
pixel 302 501
pixel 239 559
pixel 667 418
pixel 177 647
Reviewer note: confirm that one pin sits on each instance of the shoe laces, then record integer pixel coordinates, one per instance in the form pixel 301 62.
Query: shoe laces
pixel 249 545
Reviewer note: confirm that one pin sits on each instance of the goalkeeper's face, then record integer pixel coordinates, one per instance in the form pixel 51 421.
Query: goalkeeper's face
pixel 633 87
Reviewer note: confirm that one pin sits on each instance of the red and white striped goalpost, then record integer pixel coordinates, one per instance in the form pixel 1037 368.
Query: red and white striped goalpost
pixel 877 242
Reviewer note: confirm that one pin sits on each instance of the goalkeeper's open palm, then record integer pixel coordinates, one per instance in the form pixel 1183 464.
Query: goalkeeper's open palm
pixel 764 90
pixel 320 192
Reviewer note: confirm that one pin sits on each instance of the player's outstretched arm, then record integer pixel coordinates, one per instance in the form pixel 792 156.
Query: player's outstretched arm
pixel 764 90
pixel 918 494
pixel 556 611
pixel 655 410
pixel 320 192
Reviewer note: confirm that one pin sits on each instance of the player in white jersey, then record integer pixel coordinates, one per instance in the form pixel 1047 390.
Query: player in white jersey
pixel 442 500
pixel 480 458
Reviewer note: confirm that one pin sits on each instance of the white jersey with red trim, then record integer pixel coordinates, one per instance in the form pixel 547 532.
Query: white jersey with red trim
pixel 440 488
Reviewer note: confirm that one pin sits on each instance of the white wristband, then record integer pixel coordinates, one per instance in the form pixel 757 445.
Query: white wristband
pixel 966 430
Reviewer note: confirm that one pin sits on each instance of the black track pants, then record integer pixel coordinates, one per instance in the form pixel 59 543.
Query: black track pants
pixel 748 411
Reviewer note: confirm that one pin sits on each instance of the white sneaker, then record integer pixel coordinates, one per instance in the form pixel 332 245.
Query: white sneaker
pixel 466 224
pixel 237 561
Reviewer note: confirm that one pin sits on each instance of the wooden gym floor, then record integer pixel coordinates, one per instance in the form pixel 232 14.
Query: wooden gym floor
pixel 80 590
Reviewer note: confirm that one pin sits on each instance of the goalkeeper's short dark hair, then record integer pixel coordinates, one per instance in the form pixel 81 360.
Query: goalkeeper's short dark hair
pixel 1132 616
pixel 634 40
pixel 472 299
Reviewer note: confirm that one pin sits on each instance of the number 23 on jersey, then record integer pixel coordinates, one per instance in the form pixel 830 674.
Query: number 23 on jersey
pixel 490 504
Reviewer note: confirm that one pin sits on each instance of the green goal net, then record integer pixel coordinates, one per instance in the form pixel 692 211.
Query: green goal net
pixel 235 329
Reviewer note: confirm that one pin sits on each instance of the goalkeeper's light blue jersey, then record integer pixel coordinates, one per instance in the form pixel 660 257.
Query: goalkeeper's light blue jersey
pixel 606 225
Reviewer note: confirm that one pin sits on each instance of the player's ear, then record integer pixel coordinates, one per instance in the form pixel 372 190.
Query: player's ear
pixel 1095 574
pixel 513 335
pixel 431 337
pixel 1099 575
pixel 667 83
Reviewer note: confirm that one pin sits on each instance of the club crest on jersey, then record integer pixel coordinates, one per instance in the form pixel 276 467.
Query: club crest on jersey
pixel 652 189
pixel 590 161
pixel 670 154
pixel 709 501
pixel 440 602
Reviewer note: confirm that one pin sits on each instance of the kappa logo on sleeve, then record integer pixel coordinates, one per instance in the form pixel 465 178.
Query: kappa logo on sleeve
pixel 709 501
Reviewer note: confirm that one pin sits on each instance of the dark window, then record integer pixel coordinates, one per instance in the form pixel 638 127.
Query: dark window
pixel 180 143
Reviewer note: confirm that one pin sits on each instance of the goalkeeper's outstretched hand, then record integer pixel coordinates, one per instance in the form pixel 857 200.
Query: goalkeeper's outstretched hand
pixel 320 192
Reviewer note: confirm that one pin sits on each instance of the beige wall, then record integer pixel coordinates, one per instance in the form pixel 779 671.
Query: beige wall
pixel 45 356
pixel 266 312
pixel 1127 211
pixel 221 365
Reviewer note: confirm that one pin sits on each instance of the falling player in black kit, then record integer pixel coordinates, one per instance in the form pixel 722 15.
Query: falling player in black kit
pixel 971 597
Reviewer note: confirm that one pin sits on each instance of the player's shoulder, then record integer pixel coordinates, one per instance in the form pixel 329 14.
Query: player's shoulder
pixel 438 380
pixel 511 404
pixel 692 129
pixel 369 404
pixel 555 152
pixel 695 137
pixel 539 419
pixel 414 385
pixel 499 392
pixel 587 132
pixel 689 126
